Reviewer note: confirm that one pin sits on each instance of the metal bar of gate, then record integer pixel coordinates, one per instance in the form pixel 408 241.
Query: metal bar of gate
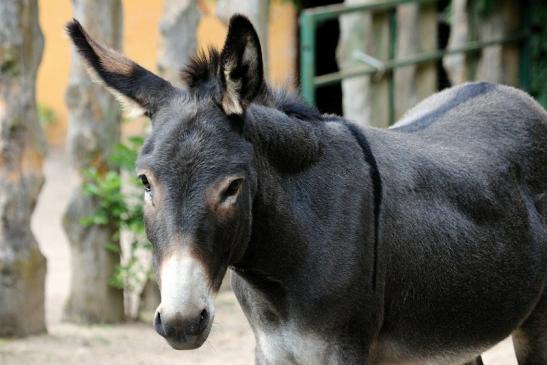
pixel 335 77
pixel 310 18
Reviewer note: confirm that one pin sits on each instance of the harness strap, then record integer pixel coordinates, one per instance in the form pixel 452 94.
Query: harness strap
pixel 376 190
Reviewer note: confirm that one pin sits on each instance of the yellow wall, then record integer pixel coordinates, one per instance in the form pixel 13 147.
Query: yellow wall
pixel 141 20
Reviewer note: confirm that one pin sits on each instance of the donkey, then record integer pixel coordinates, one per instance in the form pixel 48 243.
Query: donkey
pixel 425 243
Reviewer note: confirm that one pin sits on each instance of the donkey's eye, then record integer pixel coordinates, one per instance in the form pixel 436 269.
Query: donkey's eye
pixel 232 189
pixel 145 183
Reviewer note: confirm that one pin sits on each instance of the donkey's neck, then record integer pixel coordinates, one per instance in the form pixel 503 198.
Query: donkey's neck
pixel 277 246
pixel 309 224
pixel 284 146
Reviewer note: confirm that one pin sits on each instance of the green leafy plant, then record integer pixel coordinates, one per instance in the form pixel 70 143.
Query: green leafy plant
pixel 118 194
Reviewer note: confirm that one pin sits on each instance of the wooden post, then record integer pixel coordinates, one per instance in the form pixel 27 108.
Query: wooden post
pixel 356 91
pixel 499 63
pixel 365 99
pixel 378 45
pixel 22 148
pixel 417 33
pixel 458 65
pixel 94 129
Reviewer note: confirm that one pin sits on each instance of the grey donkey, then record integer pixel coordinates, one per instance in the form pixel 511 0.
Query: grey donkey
pixel 422 244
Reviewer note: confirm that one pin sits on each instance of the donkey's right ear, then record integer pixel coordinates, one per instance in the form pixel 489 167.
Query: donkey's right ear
pixel 241 69
pixel 134 86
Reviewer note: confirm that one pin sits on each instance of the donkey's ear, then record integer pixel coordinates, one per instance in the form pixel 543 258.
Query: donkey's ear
pixel 241 69
pixel 134 86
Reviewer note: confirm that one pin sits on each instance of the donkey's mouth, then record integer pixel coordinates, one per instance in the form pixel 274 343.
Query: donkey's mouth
pixel 185 336
pixel 189 342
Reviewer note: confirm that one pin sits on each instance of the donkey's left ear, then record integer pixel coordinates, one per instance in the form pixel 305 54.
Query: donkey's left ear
pixel 131 84
pixel 241 70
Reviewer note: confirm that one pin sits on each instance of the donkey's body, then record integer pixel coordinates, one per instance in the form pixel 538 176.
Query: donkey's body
pixel 463 245
pixel 423 244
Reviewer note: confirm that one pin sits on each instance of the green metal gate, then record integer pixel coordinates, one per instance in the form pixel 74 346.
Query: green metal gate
pixel 310 18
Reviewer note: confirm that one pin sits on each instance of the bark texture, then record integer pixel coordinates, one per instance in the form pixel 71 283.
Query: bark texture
pixel 178 37
pixel 22 149
pixel 258 12
pixel 94 129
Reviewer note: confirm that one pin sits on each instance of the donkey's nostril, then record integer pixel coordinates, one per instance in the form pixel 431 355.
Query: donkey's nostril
pixel 203 315
pixel 158 325
pixel 203 319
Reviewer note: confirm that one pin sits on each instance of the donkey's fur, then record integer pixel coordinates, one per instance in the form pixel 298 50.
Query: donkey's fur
pixel 443 259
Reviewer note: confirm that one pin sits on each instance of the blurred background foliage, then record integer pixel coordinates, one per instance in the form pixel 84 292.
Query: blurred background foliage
pixel 118 194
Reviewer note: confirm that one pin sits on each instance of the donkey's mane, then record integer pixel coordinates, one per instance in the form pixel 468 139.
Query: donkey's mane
pixel 202 68
pixel 201 77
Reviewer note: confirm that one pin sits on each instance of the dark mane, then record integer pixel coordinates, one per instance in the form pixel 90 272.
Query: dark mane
pixel 202 68
pixel 200 75
pixel 292 104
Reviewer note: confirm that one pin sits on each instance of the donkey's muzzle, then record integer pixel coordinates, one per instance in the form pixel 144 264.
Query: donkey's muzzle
pixel 183 332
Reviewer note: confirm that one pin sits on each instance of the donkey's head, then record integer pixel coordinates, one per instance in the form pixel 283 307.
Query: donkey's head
pixel 196 167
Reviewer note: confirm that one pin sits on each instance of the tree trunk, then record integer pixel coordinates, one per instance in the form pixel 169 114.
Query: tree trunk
pixel 94 129
pixel 178 37
pixel 258 12
pixel 149 299
pixel 22 148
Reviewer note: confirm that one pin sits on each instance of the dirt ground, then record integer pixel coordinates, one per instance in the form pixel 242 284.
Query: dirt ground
pixel 230 343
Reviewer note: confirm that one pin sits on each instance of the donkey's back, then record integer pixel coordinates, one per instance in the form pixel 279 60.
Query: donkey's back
pixel 464 222
pixel 491 127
